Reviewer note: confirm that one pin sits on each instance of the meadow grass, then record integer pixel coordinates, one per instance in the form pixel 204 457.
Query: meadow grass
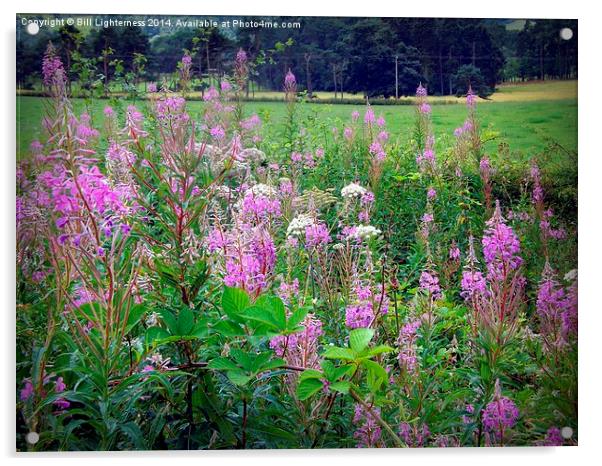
pixel 536 90
pixel 526 126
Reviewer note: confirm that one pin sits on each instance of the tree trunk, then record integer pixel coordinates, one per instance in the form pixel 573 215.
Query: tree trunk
pixel 541 70
pixel 207 55
pixel 308 75
pixel 441 72
pixel 334 77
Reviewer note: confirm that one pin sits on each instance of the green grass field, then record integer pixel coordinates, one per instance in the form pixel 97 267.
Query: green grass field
pixel 527 117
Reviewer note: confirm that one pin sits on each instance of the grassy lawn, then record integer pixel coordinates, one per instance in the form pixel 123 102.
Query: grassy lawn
pixel 527 125
pixel 537 90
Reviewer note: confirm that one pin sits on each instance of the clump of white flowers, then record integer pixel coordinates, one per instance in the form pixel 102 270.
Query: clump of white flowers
pixel 223 191
pixel 366 232
pixel 299 224
pixel 261 189
pixel 353 190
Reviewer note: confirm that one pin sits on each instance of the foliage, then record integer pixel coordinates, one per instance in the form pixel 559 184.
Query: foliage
pixel 197 281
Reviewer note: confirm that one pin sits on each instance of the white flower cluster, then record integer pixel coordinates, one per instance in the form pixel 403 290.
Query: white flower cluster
pixel 366 232
pixel 353 190
pixel 223 191
pixel 299 224
pixel 261 189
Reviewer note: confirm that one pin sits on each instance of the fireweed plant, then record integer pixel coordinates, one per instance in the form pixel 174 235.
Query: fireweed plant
pixel 212 281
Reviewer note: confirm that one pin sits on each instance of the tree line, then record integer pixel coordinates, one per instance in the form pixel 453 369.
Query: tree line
pixel 374 56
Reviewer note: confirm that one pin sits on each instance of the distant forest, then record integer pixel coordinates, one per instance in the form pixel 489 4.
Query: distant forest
pixel 350 55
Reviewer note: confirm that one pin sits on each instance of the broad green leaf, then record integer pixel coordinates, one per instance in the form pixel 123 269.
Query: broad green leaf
pixel 200 329
pixel 335 352
pixel 341 387
pixel 279 311
pixel 134 316
pixel 154 334
pixel 222 364
pixel 308 387
pixel 243 358
pixel 342 371
pixel 170 321
pixel 234 300
pixel 239 378
pixel 359 338
pixel 376 374
pixel 228 328
pixel 273 364
pixel 296 318
pixel 379 350
pixel 263 315
pixel 258 360
pixel 328 369
pixel 185 321
pixel 310 374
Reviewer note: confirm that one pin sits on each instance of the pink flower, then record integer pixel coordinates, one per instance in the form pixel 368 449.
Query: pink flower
pixel 368 433
pixel 471 99
pixel 429 282
pixel 408 360
pixel 499 415
pixel 26 391
pixel 225 86
pixel 316 235
pixel 218 132
pixel 369 117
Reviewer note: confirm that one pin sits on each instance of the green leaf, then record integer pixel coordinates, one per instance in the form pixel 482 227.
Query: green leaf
pixel 279 312
pixel 239 378
pixel 185 321
pixel 328 369
pixel 342 371
pixel 200 330
pixel 308 387
pixel 310 374
pixel 359 338
pixel 262 315
pixel 222 364
pixel 376 374
pixel 134 316
pixel 335 352
pixel 272 364
pixel 243 358
pixel 341 387
pixel 296 318
pixel 485 371
pixel 132 430
pixel 379 350
pixel 228 328
pixel 234 300
pixel 170 321
pixel 155 334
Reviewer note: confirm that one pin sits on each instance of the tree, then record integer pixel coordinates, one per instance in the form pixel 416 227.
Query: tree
pixel 470 77
pixel 372 47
